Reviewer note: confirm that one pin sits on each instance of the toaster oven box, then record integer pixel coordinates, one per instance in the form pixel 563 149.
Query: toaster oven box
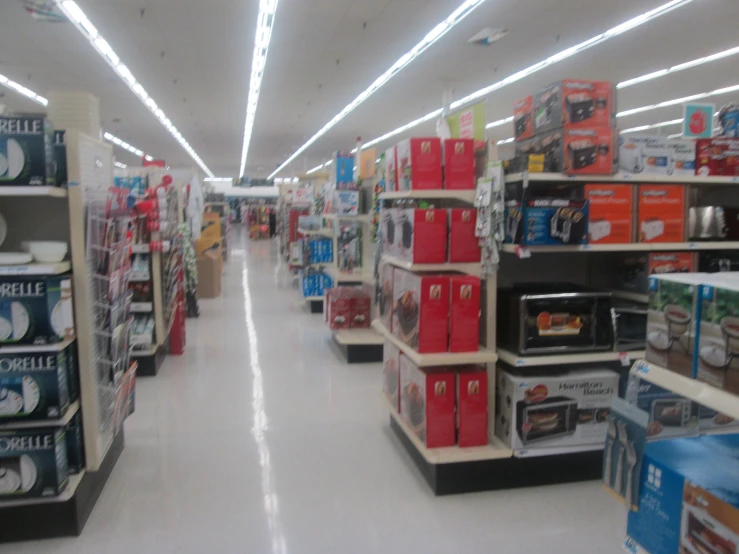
pixel 419 164
pixel 670 415
pixel 576 103
pixel 33 463
pixel 631 272
pixel 472 407
pixel 338 308
pixel 689 497
pixel 421 235
pixel 582 151
pixel 464 246
pixel 386 296
pixel 556 410
pixel 427 403
pixel 555 221
pixel 717 156
pixel 611 211
pixel 464 317
pixel 523 118
pixel 662 213
pixel 391 169
pixel 391 373
pixel 26 151
pixel 717 354
pixel 459 164
pixel 421 310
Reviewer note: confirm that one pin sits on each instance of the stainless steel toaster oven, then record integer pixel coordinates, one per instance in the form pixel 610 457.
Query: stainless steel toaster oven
pixel 552 417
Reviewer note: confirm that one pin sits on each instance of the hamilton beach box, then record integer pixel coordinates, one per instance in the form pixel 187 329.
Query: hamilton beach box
pixel 26 151
pixel 33 463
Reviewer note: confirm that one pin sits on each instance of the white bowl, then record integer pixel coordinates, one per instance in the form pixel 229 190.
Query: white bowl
pixel 47 252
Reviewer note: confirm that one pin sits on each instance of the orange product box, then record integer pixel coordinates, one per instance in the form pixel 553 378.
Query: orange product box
pixel 611 213
pixel 590 151
pixel 672 262
pixel 661 213
pixel 523 118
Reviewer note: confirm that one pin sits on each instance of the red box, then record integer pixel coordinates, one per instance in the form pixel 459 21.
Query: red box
pixel 459 164
pixel 427 401
pixel 523 118
pixel 391 170
pixel 590 151
pixel 386 296
pixel 421 236
pixel 661 213
pixel 419 164
pixel 464 320
pixel 360 310
pixel 717 156
pixel 472 407
pixel 391 374
pixel 421 310
pixel 611 213
pixel 672 262
pixel 464 246
pixel 576 103
pixel 338 308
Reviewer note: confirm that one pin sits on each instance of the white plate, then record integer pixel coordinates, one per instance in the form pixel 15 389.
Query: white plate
pixel 11 402
pixel 10 481
pixel 29 473
pixel 15 258
pixel 31 394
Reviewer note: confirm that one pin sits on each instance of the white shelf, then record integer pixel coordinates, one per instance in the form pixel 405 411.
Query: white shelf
pixel 702 393
pixel 34 348
pixel 313 298
pixel 623 178
pixel 42 423
pixel 632 296
pixel 73 482
pixel 474 269
pixel 142 307
pixel 436 194
pixel 362 218
pixel 357 337
pixel 522 251
pixel 36 269
pixel 542 452
pixel 356 277
pixel 482 356
pixel 52 192
pixel 449 454
pixel 567 359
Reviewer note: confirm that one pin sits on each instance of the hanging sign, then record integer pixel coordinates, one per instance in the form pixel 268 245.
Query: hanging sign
pixel 469 123
pixel 698 120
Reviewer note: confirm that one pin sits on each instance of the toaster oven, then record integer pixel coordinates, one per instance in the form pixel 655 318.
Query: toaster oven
pixel 580 107
pixel 701 534
pixel 631 325
pixel 555 318
pixel 582 153
pixel 550 418
pixel 672 412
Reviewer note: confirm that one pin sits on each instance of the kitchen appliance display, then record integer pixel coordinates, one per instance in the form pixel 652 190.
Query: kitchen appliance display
pixel 566 224
pixel 582 153
pixel 631 325
pixel 718 346
pixel 580 106
pixel 701 534
pixel 553 417
pixel 707 223
pixel 672 412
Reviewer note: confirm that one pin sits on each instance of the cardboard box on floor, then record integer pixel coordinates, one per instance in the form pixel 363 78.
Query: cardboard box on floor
pixel 209 274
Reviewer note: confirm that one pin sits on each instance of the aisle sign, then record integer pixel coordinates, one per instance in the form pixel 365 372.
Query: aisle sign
pixel 698 120
pixel 469 123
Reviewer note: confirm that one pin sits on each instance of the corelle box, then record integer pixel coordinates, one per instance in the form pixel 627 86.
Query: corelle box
pixel 459 164
pixel 523 118
pixel 464 246
pixel 464 317
pixel 472 407
pixel 421 310
pixel 33 463
pixel 26 151
pixel 391 373
pixel 419 164
pixel 386 296
pixel 421 235
pixel 611 213
pixel 427 402
pixel 717 156
pixel 575 103
pixel 36 310
pixel 338 308
pixel 391 169
pixel 360 309
pixel 661 213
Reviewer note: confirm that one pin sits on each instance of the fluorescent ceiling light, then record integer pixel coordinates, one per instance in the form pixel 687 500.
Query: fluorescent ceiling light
pixel 118 142
pixel 506 141
pixel 499 122
pixel 652 126
pixel 28 93
pixel 676 101
pixel 265 23
pixel 433 36
pixel 219 179
pixel 120 165
pixel 75 14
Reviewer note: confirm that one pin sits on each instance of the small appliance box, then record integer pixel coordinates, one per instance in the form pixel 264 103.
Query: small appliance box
pixel 611 213
pixel 386 296
pixel 717 156
pixel 75 444
pixel 421 235
pixel 523 118
pixel 661 213
pixel 360 310
pixel 347 202
pixel 391 170
pixel 632 271
pixel 33 385
pixel 689 500
pixel 344 168
pixel 26 151
pixel 718 342
pixel 421 310
pixel 427 403
pixel 554 411
pixel 36 310
pixel 683 152
pixel 391 374
pixel 555 221
pixel 464 246
pixel 710 421
pixel 670 415
pixel 459 164
pixel 513 214
pixel 575 103
pixel 419 164
pixel 582 151
pixel 33 463
pixel 472 407
pixel 388 217
pixel 338 308
pixel 644 155
pixel 464 320
pixel 60 158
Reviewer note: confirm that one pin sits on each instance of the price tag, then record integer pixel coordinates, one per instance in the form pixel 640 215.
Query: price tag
pixel 522 252
pixel 642 367
pixel 520 362
pixel 586 247
pixel 624 358
pixel 630 546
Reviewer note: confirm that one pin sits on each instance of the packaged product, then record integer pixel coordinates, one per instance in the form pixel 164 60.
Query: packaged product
pixel 555 221
pixel 464 246
pixel 661 213
pixel 718 342
pixel 421 310
pixel 26 151
pixel 33 463
pixel 391 373
pixel 523 118
pixel 472 407
pixel 575 103
pixel 421 235
pixel 419 164
pixel 459 164
pixel 611 210
pixel 464 317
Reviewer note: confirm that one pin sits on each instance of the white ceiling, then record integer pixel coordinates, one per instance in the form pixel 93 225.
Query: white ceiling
pixel 193 56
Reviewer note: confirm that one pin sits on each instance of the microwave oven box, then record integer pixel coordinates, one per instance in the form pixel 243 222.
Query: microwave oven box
pixel 631 272
pixel 60 158
pixel 717 156
pixel 464 317
pixel 575 103
pixel 427 403
pixel 472 407
pixel 421 310
pixel 26 151
pixel 611 213
pixel 75 444
pixel 555 221
pixel 391 169
pixel 209 274
pixel 556 410
pixel 670 415
pixel 523 118
pixel 386 296
pixel 360 309
pixel 662 213
pixel 689 497
pixel 338 308
pixel 419 164
pixel 464 246
pixel 581 151
pixel 459 164
pixel 391 374
pixel 421 235
pixel 34 463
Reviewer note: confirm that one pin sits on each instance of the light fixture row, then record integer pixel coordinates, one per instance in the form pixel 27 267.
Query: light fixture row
pixel 20 89
pixel 123 144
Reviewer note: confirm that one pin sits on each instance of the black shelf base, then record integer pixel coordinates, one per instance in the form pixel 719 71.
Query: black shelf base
pixel 59 519
pixel 360 353
pixel 315 306
pixel 508 473
pixel 149 366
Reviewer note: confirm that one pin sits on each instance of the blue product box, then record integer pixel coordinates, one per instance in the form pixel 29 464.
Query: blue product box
pixel 33 463
pixel 347 202
pixel 513 214
pixel 36 310
pixel 555 221
pixel 314 249
pixel 75 445
pixel 670 415
pixel 33 385
pixel 689 499
pixel 344 164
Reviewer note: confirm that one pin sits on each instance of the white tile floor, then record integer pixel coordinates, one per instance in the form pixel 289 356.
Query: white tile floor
pixel 261 440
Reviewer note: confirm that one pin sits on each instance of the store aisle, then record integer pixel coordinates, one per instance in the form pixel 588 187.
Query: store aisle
pixel 260 440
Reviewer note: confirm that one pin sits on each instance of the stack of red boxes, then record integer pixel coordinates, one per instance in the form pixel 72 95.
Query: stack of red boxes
pixel 717 156
pixel 347 308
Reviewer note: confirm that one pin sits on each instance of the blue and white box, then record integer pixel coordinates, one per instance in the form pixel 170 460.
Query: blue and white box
pixel 347 202
pixel 555 221
pixel 33 463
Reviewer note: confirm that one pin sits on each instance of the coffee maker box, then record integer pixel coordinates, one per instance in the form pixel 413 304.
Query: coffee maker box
pixel 33 463
pixel 26 151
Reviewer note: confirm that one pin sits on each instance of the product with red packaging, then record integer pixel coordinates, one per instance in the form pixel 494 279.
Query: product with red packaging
pixel 464 320
pixel 421 310
pixel 386 296
pixel 576 103
pixel 427 401
pixel 391 170
pixel 661 213
pixel 717 156
pixel 611 213
pixel 459 164
pixel 580 151
pixel 523 118
pixel 388 217
pixel 391 374
pixel 338 308
pixel 472 407
pixel 420 236
pixel 360 309
pixel 419 164
pixel 464 246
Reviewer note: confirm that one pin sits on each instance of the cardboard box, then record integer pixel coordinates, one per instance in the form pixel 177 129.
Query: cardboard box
pixel 203 246
pixel 611 209
pixel 421 310
pixel 717 354
pixel 360 310
pixel 391 374
pixel 419 164
pixel 75 444
pixel 459 164
pixel 391 169
pixel 386 296
pixel 576 103
pixel 632 271
pixel 210 229
pixel 209 274
pixel 26 151
pixel 427 401
pixel 554 411
pixel 683 152
pixel 421 235
pixel 669 415
pixel 513 214
pixel 661 215
pixel 581 151
pixel 523 118
pixel 347 202
pixel 555 221
pixel 717 156
pixel 464 246
pixel 464 317
pixel 710 421
pixel 343 169
pixel 388 217
pixel 338 308
pixel 472 407
pixel 650 155
pixel 33 463
pixel 60 158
